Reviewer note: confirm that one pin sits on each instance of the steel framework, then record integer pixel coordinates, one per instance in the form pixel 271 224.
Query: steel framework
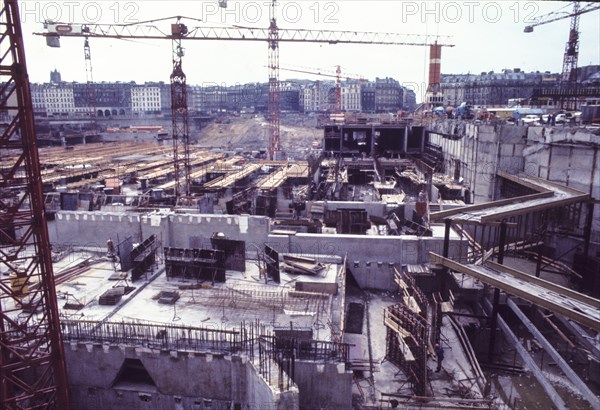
pixel 274 96
pixel 90 87
pixel 571 55
pixel 32 367
pixel 569 70
pixel 179 111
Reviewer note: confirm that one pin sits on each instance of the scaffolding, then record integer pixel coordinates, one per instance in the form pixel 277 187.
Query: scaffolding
pixel 406 344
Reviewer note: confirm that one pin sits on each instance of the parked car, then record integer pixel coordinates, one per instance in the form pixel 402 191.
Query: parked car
pixel 531 119
pixel 560 118
pixel 574 116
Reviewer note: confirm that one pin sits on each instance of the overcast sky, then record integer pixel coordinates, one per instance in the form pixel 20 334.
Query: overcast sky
pixel 488 36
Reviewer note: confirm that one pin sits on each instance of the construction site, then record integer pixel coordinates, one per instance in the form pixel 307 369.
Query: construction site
pixel 406 262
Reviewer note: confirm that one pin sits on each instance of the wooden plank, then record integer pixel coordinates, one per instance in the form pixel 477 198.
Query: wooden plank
pixel 408 355
pixel 541 183
pixel 396 327
pixel 411 303
pixel 447 307
pixel 496 216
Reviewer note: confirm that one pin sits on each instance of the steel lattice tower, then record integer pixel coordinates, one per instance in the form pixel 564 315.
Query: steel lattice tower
pixel 569 70
pixel 32 367
pixel 274 91
pixel 179 111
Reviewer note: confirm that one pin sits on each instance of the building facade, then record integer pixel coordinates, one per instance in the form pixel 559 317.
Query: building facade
pixel 59 100
pixel 388 95
pixel 146 99
pixel 351 97
pixel 493 89
pixel 107 99
pixel 316 96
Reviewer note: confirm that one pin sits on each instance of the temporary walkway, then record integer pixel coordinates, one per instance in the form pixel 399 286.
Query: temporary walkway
pixel 548 195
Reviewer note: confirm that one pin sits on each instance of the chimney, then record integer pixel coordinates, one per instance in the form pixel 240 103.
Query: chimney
pixel 435 64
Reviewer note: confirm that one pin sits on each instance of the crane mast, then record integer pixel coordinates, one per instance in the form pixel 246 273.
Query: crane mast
pixel 569 70
pixel 568 77
pixel 32 361
pixel 90 87
pixel 274 148
pixel 179 112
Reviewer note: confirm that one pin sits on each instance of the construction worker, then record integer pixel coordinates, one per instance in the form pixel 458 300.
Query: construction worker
pixel 439 352
pixel 110 249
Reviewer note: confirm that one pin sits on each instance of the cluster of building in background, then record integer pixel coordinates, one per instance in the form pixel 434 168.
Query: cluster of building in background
pixel 540 89
pixel 60 98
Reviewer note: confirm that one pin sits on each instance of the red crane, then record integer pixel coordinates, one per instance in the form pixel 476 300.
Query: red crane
pixel 571 54
pixel 273 35
pixel 32 365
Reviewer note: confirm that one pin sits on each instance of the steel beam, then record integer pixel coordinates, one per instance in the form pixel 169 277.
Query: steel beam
pixel 532 365
pixel 582 336
pixel 560 304
pixel 436 216
pixel 32 366
pixel 571 375
pixel 548 285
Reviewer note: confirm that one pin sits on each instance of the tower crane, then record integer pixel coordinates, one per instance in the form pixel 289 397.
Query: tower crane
pixel 273 35
pixel 90 87
pixel 569 69
pixel 32 362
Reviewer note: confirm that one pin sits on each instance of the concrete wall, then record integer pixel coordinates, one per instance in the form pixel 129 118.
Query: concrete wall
pixel 372 208
pixel 373 253
pixel 569 157
pixel 323 386
pixel 187 230
pixel 184 380
pixel 176 230
pixel 565 155
pixel 482 151
pixel 262 396
pixel 369 257
pixel 93 229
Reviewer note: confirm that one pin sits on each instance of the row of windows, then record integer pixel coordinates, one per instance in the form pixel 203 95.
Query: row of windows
pixel 144 99
pixel 135 92
pixel 155 105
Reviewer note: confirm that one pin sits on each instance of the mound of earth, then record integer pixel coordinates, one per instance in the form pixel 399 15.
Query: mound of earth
pixel 253 134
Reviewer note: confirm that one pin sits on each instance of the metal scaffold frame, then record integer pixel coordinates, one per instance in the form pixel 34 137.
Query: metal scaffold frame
pixel 406 344
pixel 32 367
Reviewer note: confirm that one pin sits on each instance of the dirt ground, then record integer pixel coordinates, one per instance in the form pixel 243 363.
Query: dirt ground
pixel 253 134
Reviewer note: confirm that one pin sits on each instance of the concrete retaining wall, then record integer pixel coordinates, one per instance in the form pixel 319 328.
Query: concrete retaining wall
pixel 93 229
pixel 183 380
pixel 323 386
